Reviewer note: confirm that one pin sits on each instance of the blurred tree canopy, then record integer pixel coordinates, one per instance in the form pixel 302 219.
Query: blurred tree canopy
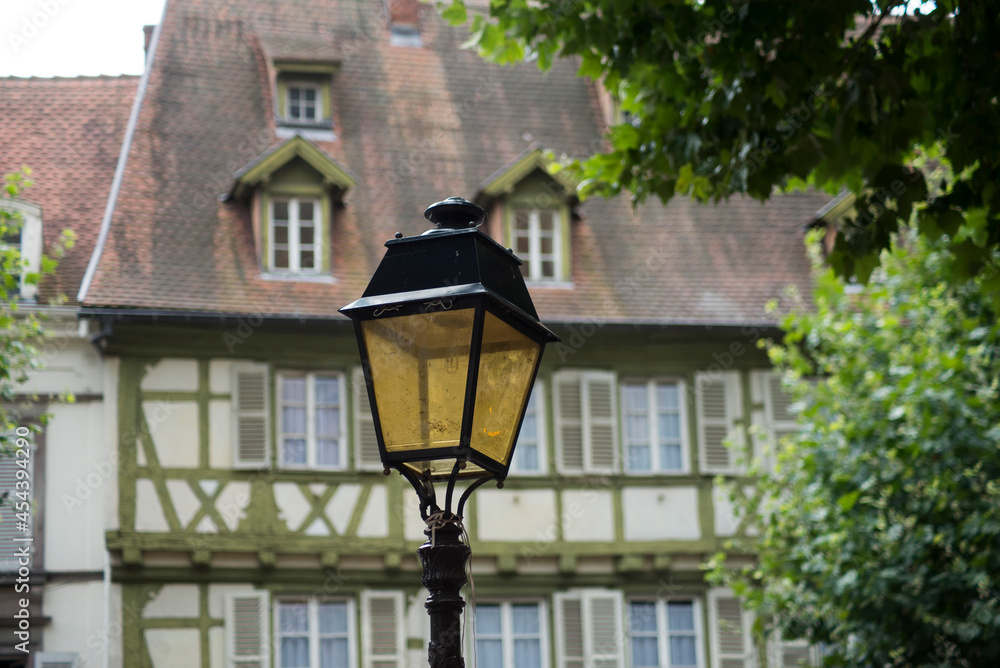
pixel 880 523
pixel 724 96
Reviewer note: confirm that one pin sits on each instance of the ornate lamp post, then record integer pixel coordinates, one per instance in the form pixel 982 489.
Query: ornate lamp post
pixel 450 345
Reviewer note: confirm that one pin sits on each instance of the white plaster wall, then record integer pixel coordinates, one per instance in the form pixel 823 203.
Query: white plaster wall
pixel 340 508
pixel 661 513
pixel 220 376
pixel 148 511
pixel 375 517
pixel 172 375
pixel 71 364
pixel 173 427
pixel 588 515
pixel 220 444
pixel 217 647
pixel 185 503
pixel 232 502
pixel 292 506
pixel 517 515
pixel 109 441
pixel 726 520
pixel 73 630
pixel 172 648
pixel 173 601
pixel 81 482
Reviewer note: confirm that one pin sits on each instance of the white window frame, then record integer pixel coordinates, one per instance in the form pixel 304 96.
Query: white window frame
pixel 29 243
pixel 653 437
pixel 312 606
pixel 304 85
pixel 311 458
pixel 538 395
pixel 534 255
pixel 663 631
pixel 295 245
pixel 507 628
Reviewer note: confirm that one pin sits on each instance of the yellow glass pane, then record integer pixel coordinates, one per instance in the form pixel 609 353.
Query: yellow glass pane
pixel 419 368
pixel 505 373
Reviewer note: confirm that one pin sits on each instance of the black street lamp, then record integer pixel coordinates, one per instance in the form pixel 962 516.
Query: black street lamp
pixel 450 345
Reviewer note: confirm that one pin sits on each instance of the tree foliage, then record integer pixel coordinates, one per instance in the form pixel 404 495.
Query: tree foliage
pixel 732 96
pixel 880 526
pixel 20 330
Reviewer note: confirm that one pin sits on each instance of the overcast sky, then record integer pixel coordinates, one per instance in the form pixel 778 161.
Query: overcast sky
pixel 74 37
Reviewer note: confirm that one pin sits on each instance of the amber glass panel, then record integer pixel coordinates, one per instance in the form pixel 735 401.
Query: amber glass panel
pixel 419 368
pixel 505 374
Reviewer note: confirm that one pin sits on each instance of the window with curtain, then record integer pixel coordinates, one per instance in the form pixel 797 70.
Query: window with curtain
pixel 311 634
pixel 663 634
pixel 653 426
pixel 510 635
pixel 311 420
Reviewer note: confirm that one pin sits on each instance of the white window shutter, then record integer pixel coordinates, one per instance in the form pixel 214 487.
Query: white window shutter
pixel 790 653
pixel 719 404
pixel 365 440
pixel 775 419
pixel 383 640
pixel 605 633
pixel 570 650
pixel 251 416
pixel 600 434
pixel 567 394
pixel 56 660
pixel 247 641
pixel 729 631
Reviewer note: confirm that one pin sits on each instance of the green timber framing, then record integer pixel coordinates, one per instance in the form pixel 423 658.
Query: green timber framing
pixel 146 561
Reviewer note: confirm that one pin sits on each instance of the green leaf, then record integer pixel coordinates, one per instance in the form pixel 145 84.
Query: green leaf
pixel 455 13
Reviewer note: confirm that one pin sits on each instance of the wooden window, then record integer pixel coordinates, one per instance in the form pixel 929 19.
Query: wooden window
pixel 296 232
pixel 538 239
pixel 250 409
pixel 719 402
pixel 384 636
pixel 17 515
pixel 729 631
pixel 664 634
pixel 304 102
pixel 530 453
pixel 313 633
pixel 247 643
pixel 774 419
pixel 511 635
pixel 311 420
pixel 654 430
pixel 586 421
pixel 589 629
pixel 366 452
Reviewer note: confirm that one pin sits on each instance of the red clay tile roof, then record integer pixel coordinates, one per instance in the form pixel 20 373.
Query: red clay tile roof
pixel 415 125
pixel 69 132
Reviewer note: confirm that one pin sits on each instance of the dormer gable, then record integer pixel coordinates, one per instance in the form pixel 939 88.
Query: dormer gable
pixel 301 70
pixel 531 212
pixel 294 189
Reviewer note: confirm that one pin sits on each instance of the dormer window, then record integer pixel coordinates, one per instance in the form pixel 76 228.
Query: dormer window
pixel 296 232
pixel 303 102
pixel 302 70
pixel 531 213
pixel 536 235
pixel 293 189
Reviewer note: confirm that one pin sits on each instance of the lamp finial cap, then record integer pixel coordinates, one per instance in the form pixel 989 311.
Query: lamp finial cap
pixel 456 213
